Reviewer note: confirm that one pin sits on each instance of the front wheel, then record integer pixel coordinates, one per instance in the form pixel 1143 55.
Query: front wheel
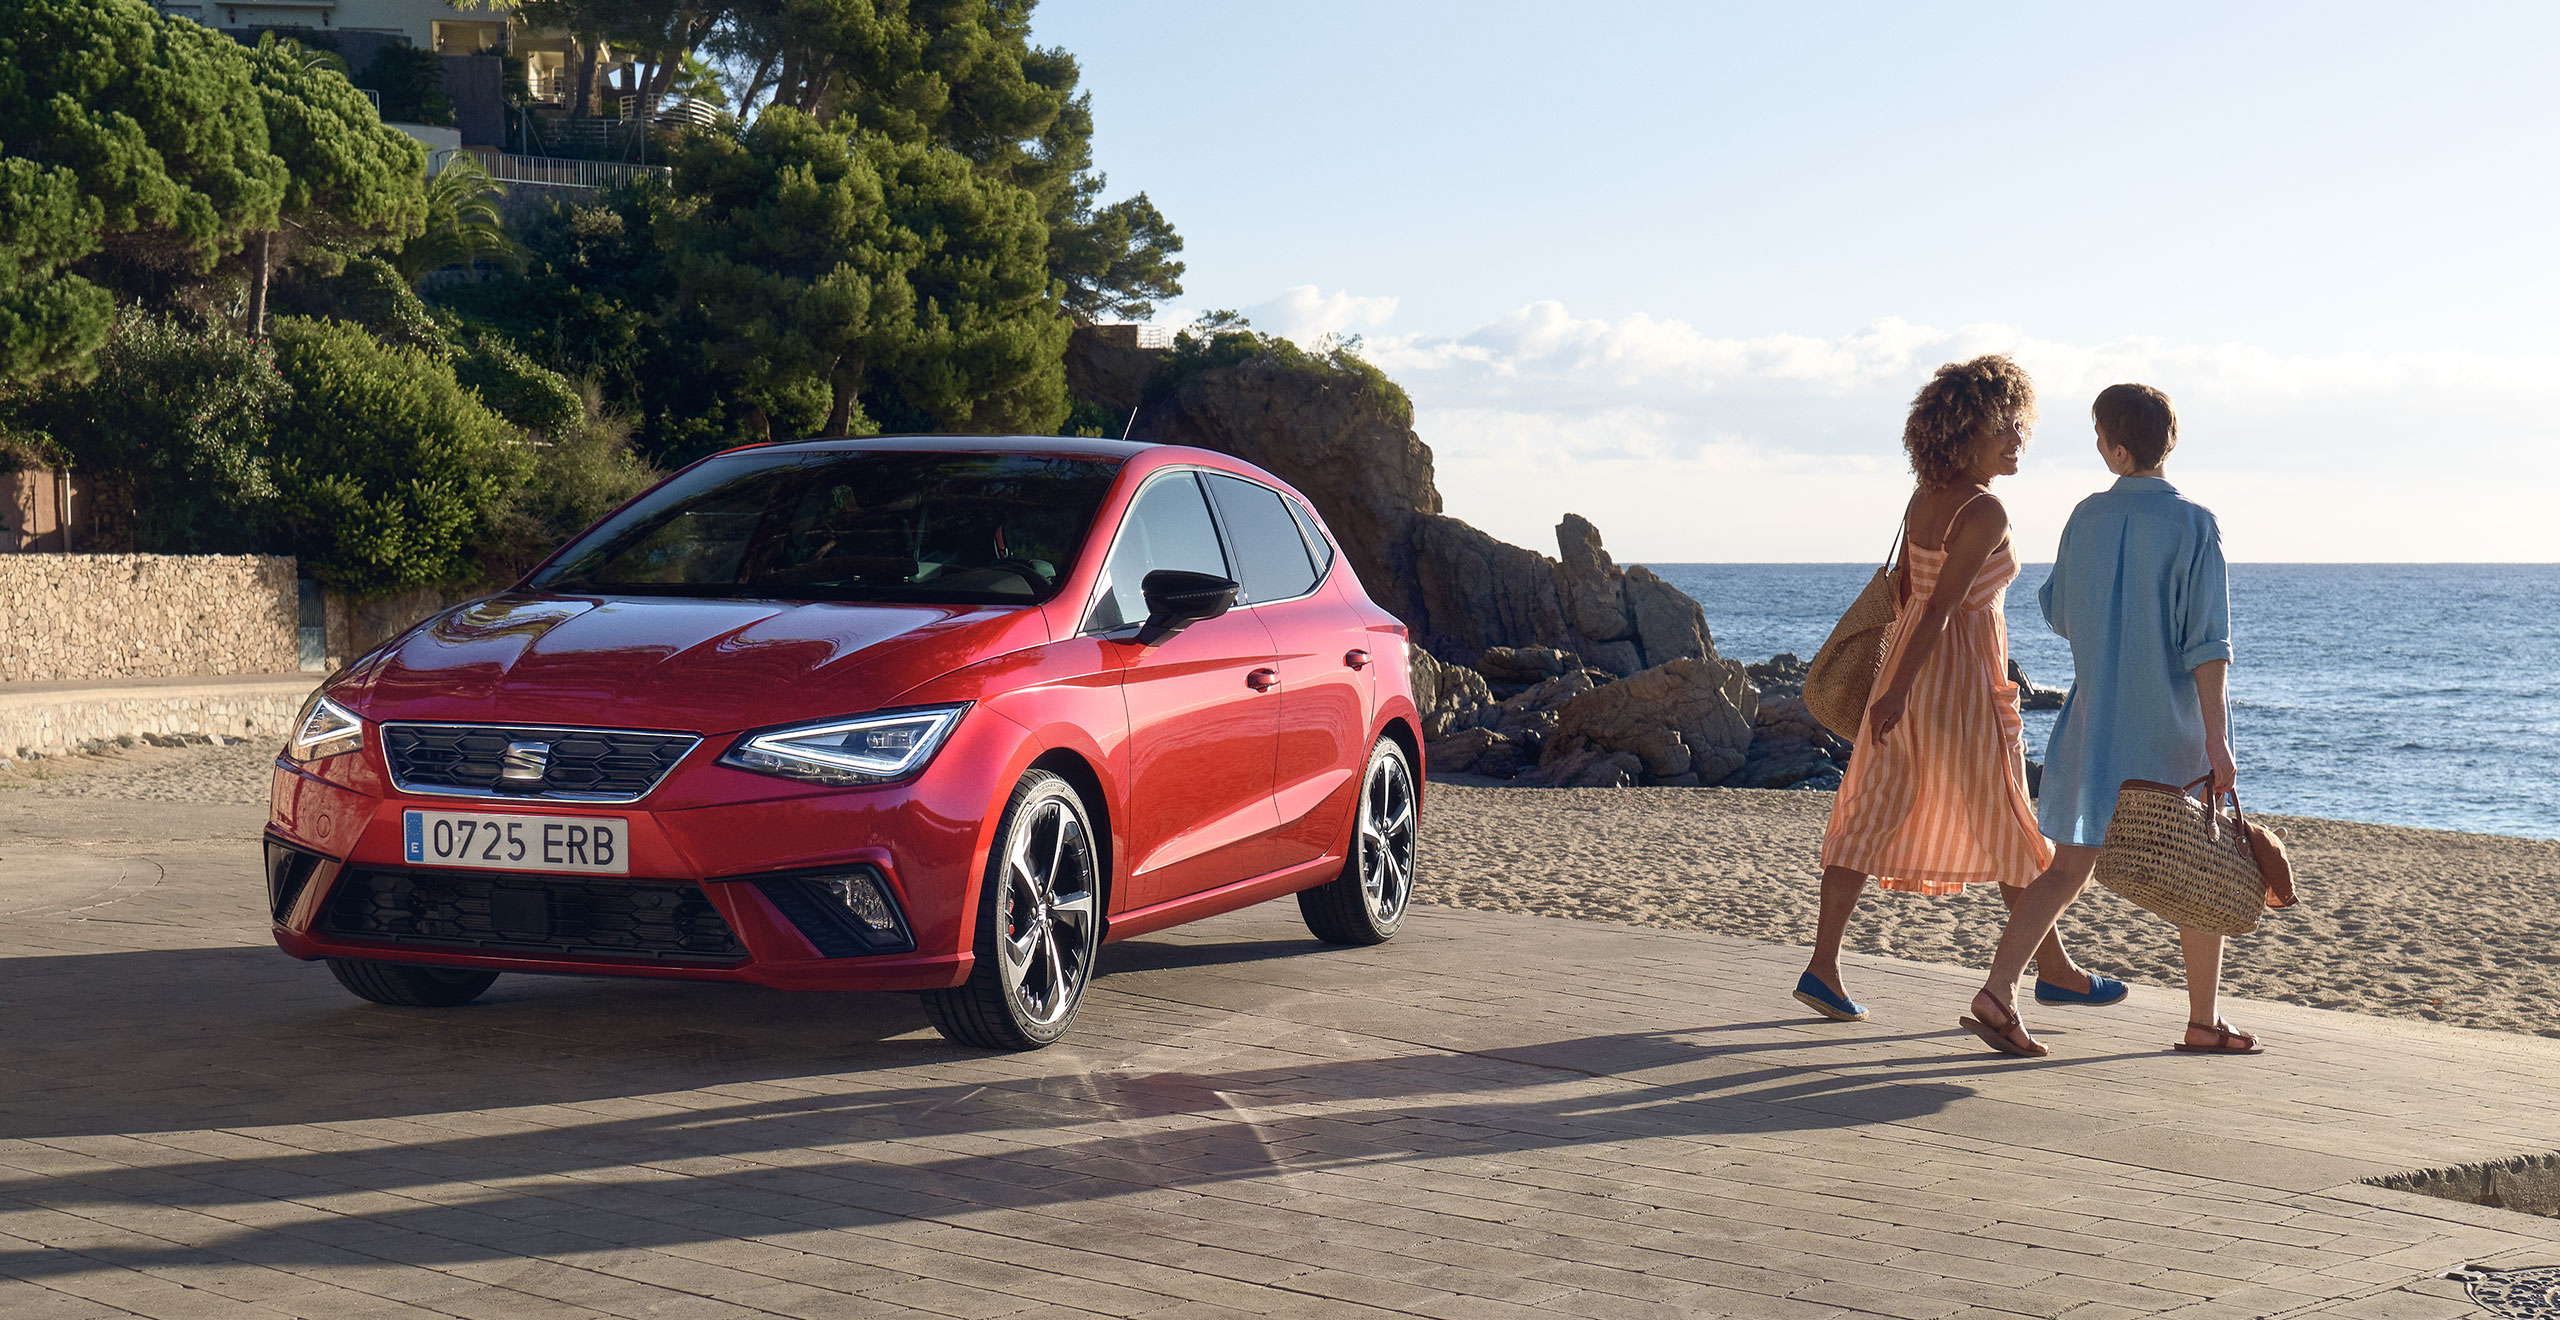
pixel 405 985
pixel 1366 903
pixel 1039 925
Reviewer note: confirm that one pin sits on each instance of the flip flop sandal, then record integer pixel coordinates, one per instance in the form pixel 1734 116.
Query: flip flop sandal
pixel 2226 1041
pixel 1999 1038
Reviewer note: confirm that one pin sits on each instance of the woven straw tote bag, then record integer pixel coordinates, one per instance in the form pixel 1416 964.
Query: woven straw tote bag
pixel 2185 858
pixel 1843 675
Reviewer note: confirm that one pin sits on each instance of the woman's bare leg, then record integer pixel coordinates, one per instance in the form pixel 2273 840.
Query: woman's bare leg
pixel 2203 950
pixel 2031 918
pixel 2053 962
pixel 1840 890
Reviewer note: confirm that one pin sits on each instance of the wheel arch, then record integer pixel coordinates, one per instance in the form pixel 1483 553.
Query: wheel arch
pixel 1071 765
pixel 1401 728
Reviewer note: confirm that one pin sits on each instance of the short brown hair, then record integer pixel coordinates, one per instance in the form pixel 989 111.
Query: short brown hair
pixel 2137 418
pixel 1954 407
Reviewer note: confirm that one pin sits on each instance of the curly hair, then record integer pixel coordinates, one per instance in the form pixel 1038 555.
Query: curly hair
pixel 1950 412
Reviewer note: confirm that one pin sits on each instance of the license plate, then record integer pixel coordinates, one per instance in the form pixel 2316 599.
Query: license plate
pixel 487 841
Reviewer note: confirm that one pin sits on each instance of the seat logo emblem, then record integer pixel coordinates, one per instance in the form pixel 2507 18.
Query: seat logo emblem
pixel 524 763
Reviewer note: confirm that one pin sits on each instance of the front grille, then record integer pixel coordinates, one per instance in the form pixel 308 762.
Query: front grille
pixel 629 920
pixel 580 765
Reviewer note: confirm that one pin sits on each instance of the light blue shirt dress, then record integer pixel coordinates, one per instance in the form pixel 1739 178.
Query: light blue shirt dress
pixel 2140 591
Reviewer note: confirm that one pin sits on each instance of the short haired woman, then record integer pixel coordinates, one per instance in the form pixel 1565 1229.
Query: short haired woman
pixel 2140 590
pixel 1936 795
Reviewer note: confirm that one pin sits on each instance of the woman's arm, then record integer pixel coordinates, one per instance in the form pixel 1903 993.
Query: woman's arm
pixel 1977 532
pixel 2213 692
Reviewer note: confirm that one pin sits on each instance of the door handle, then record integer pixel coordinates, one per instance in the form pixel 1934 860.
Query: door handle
pixel 1262 680
pixel 1356 659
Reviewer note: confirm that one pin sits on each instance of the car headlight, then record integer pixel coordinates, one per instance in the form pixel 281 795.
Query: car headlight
pixel 866 749
pixel 325 729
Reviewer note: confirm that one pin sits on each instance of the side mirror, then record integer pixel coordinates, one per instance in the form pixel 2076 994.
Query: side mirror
pixel 1177 599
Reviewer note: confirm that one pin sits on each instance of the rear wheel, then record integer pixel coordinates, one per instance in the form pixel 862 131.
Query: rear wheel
pixel 1039 925
pixel 408 986
pixel 1366 903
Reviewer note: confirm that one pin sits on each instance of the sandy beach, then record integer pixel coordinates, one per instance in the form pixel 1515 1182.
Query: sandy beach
pixel 2461 929
pixel 2454 928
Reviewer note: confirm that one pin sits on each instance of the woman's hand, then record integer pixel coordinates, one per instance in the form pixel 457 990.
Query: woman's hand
pixel 1886 713
pixel 2226 772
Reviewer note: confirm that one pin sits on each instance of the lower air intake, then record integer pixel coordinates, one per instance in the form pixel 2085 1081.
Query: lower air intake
pixel 625 920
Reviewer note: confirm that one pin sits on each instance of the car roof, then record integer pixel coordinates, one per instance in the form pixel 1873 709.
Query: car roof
pixel 1063 446
pixel 1048 446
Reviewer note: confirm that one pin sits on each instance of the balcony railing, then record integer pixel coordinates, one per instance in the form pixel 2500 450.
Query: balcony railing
pixel 549 171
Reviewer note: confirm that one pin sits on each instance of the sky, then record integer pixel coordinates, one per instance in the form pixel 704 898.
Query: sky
pixel 1680 267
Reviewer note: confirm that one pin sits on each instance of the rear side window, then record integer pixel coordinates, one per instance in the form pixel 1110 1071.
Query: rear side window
pixel 1168 527
pixel 1315 536
pixel 1266 538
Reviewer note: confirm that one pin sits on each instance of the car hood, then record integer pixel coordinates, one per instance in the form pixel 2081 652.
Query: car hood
pixel 655 662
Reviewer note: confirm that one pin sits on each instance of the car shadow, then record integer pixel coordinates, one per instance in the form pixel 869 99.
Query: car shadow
pixel 802 1110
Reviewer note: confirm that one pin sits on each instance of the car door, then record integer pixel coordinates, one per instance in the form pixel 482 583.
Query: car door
pixel 1325 695
pixel 1203 708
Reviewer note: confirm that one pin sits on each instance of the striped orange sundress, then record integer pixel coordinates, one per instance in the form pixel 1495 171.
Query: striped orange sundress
pixel 1943 802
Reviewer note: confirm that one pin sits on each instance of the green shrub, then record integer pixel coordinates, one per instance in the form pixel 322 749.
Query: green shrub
pixel 586 471
pixel 516 387
pixel 388 471
pixel 174 432
pixel 368 291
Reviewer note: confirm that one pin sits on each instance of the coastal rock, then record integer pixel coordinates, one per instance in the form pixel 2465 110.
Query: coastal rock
pixel 2031 697
pixel 1781 674
pixel 1525 666
pixel 1451 697
pixel 1461 752
pixel 1343 435
pixel 1789 747
pixel 1688 721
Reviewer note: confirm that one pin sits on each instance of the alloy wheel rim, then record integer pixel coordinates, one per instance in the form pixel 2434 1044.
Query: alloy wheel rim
pixel 1046 931
pixel 1387 838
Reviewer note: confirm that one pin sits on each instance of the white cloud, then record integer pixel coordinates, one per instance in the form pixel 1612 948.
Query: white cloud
pixel 1684 445
pixel 1306 313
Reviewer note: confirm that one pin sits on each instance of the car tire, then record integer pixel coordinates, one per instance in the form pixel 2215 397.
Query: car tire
pixel 1366 903
pixel 404 985
pixel 1039 925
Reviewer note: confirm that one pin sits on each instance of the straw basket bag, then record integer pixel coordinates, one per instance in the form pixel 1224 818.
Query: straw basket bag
pixel 2187 859
pixel 1843 675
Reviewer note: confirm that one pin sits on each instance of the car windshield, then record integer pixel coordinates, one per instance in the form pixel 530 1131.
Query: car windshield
pixel 847 525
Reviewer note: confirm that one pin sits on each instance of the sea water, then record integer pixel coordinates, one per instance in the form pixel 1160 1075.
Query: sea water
pixel 2409 694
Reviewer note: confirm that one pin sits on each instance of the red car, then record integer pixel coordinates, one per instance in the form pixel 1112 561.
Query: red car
pixel 937 714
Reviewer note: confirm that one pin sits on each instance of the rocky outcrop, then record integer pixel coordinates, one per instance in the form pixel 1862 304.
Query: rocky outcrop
pixel 1686 722
pixel 1789 747
pixel 1344 436
pixel 2031 697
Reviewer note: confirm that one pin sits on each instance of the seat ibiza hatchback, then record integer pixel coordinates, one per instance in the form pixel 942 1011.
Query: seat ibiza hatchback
pixel 928 714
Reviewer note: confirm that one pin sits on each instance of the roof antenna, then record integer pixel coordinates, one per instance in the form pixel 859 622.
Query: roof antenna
pixel 1133 421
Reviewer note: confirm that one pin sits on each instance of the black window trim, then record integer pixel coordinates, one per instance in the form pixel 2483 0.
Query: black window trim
pixel 1322 562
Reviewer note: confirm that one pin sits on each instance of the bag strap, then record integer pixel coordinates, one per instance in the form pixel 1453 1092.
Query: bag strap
pixel 2232 793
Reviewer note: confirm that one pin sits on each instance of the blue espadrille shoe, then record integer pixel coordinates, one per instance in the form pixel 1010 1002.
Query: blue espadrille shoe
pixel 2102 991
pixel 1819 997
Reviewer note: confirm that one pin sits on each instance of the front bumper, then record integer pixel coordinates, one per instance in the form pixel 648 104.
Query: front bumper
pixel 727 892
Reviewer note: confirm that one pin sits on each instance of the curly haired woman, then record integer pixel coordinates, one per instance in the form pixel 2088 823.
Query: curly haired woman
pixel 1936 796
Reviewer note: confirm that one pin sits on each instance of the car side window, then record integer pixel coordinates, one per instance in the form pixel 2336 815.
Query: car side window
pixel 1168 527
pixel 1274 556
pixel 1322 548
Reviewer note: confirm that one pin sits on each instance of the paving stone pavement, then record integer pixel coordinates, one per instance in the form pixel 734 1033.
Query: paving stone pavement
pixel 1493 1116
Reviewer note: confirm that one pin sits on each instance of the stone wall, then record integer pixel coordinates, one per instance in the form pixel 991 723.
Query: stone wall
pixel 49 721
pixel 93 617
